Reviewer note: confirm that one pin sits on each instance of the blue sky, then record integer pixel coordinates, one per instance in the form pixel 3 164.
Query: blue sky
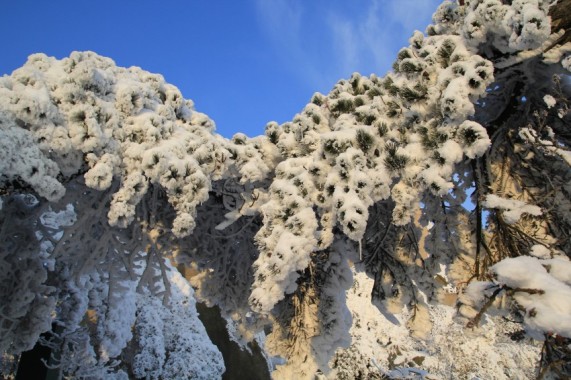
pixel 243 62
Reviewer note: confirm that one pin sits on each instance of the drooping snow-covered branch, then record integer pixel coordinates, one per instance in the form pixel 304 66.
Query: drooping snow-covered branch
pixel 380 162
pixel 84 115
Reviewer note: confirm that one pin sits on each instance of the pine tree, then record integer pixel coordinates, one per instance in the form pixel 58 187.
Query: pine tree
pixel 452 169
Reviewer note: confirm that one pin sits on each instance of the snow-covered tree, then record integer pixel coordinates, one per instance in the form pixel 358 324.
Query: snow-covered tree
pixel 450 174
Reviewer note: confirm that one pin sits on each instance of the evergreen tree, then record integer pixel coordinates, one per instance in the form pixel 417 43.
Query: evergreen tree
pixel 450 174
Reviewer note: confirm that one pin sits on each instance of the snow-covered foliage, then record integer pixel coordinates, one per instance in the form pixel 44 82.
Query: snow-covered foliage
pixel 27 301
pixel 21 157
pixel 85 115
pixel 315 321
pixel 520 25
pixel 105 287
pixel 169 340
pixel 539 286
pixel 370 139
pixel 453 168
pixel 172 342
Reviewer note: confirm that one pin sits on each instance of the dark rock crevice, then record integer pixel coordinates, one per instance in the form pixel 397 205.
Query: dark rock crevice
pixel 240 364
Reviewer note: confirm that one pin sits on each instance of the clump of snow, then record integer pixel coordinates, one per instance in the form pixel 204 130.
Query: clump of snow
pixel 56 220
pixel 513 209
pixel 549 101
pixel 558 53
pixel 541 288
pixel 540 251
pixel 472 299
pixel 473 138
pixel 540 285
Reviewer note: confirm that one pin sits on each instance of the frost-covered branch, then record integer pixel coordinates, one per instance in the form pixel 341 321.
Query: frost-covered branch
pixel 473 116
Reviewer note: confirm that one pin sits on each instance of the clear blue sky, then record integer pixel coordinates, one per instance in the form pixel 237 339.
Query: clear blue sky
pixel 243 62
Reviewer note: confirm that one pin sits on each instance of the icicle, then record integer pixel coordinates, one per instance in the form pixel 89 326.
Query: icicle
pixel 361 250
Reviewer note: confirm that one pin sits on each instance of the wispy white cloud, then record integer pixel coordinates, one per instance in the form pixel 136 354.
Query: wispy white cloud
pixel 322 41
pixel 363 40
pixel 371 40
pixel 347 54
pixel 283 22
pixel 281 19
pixel 375 35
pixel 408 12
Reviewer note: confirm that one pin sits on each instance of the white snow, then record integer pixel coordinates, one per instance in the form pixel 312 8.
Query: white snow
pixel 313 180
pixel 382 343
pixel 513 209
pixel 56 220
pixel 566 62
pixel 545 298
pixel 540 251
pixel 549 101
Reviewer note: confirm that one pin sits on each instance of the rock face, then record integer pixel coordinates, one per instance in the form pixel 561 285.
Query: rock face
pixel 240 364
